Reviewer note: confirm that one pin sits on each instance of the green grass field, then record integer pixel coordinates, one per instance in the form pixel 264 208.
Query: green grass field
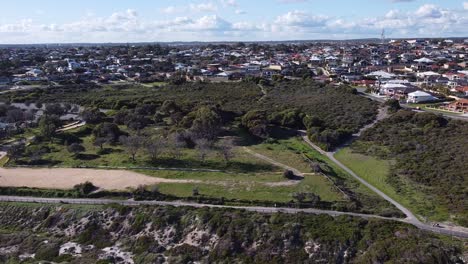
pixel 296 153
pixel 255 189
pixel 289 151
pixel 376 172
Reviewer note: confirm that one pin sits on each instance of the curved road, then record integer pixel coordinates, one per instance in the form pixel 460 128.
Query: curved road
pixel 267 210
pixel 410 217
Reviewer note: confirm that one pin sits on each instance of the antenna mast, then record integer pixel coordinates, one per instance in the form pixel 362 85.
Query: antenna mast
pixel 382 37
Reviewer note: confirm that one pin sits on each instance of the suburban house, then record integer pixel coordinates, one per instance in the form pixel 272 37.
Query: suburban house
pixel 397 89
pixel 462 89
pixel 420 97
pixel 460 106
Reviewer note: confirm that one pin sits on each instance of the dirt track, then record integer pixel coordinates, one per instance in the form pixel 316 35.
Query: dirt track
pixel 59 178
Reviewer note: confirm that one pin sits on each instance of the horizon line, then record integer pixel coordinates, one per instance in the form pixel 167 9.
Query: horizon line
pixel 220 41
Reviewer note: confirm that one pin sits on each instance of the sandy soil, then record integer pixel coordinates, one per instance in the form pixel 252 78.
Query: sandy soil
pixel 59 178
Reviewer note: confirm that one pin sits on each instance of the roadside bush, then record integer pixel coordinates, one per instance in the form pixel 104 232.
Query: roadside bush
pixel 289 174
pixel 85 188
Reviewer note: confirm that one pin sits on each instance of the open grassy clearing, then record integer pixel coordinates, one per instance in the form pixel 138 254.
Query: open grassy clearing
pixel 376 171
pixel 289 151
pixel 246 177
pixel 215 176
pixel 296 153
pixel 253 190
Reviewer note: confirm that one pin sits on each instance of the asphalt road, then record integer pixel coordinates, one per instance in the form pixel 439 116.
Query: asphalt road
pixel 463 118
pixel 266 210
pixel 410 217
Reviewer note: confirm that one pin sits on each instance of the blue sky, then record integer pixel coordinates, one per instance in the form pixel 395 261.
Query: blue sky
pixel 47 21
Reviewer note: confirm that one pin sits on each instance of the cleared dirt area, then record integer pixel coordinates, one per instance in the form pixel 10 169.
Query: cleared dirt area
pixel 64 178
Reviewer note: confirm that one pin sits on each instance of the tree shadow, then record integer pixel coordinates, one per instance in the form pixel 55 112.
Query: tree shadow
pixel 82 156
pixel 233 166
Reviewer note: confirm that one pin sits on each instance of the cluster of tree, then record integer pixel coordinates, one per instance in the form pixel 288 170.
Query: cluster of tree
pixel 330 114
pixel 174 144
pixel 429 150
pixel 336 112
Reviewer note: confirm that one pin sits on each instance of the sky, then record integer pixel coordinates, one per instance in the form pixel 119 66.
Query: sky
pixel 96 21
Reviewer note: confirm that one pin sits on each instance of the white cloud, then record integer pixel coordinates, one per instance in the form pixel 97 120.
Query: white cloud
pixel 465 5
pixel 195 24
pixel 300 19
pixel 170 10
pixel 203 7
pixel 428 10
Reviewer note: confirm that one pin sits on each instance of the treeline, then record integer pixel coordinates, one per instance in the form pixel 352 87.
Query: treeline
pixel 330 114
pixel 429 150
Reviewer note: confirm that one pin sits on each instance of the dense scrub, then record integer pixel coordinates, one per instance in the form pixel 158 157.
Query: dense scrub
pixel 183 235
pixel 330 114
pixel 429 150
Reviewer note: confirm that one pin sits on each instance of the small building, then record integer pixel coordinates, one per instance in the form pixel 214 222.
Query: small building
pixel 420 97
pixel 460 106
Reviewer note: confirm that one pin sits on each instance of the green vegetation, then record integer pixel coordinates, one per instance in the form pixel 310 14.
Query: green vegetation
pixel 429 168
pixel 254 190
pixel 295 153
pixel 212 236
pixel 377 171
pixel 331 114
pixel 205 126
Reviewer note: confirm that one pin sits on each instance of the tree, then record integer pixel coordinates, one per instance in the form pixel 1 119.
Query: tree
pixel 48 124
pixel 312 121
pixel 132 144
pixel 92 115
pixel 100 141
pixel 76 149
pixel 110 131
pixel 154 148
pixel 169 107
pixel 203 147
pixel 136 122
pixel 256 122
pixel 225 149
pixel 393 105
pixel 176 142
pixel 54 109
pixel 207 123
pixel 15 115
pixel 16 151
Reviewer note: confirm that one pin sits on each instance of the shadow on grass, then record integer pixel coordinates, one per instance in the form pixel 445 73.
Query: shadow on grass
pixel 37 162
pixel 233 166
pixel 87 156
pixel 275 132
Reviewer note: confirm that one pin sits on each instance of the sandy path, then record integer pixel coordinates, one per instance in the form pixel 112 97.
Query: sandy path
pixel 63 178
